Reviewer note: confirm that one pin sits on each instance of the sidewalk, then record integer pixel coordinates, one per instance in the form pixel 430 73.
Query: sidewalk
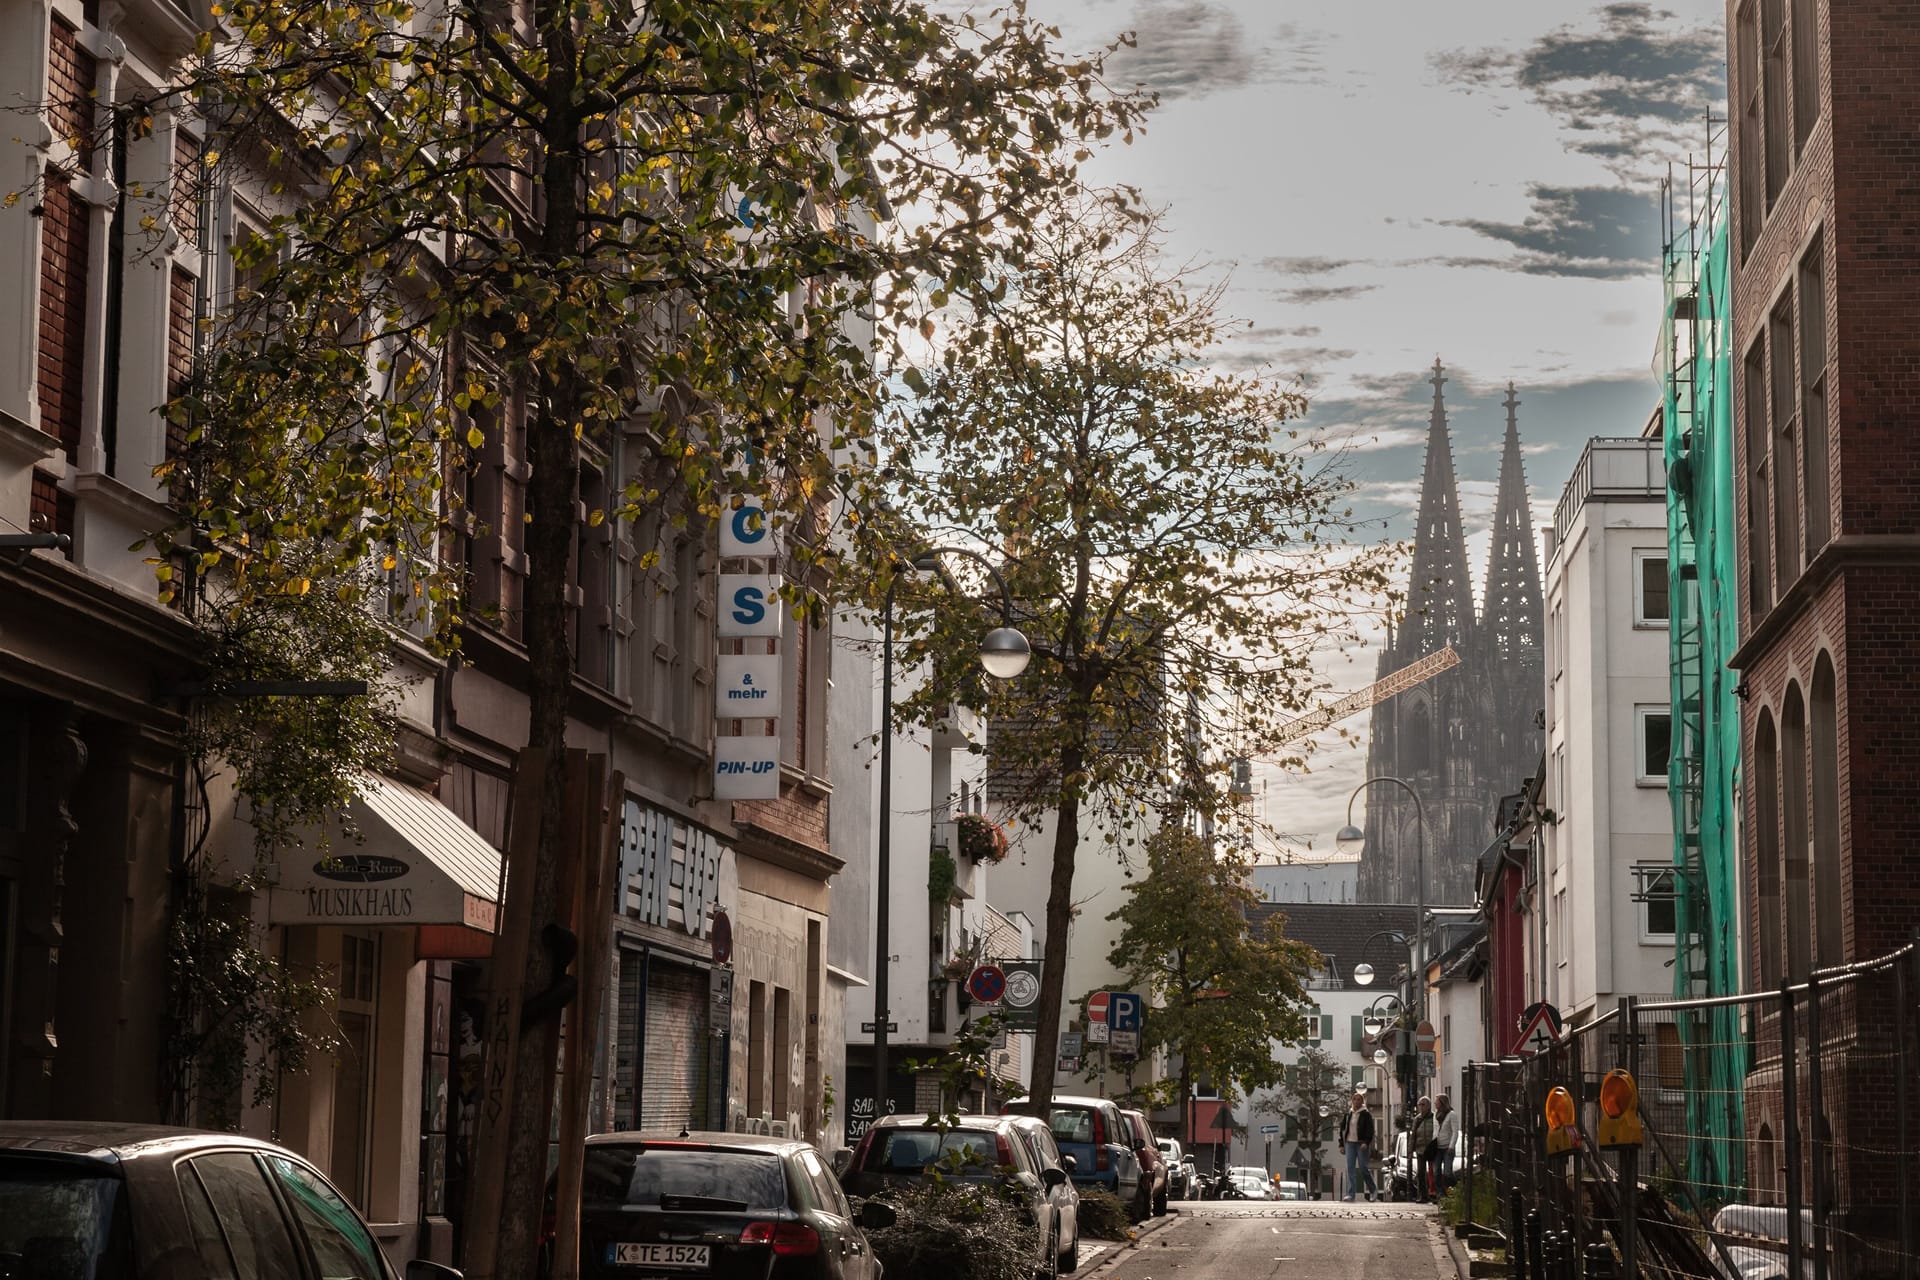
pixel 1096 1255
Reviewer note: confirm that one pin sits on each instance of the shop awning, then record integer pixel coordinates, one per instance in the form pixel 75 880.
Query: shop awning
pixel 416 864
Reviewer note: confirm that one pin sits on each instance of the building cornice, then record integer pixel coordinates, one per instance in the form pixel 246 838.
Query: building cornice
pixel 1848 551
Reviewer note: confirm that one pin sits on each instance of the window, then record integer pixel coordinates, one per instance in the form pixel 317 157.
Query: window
pixel 1785 422
pixel 1829 931
pixel 1751 166
pixel 1653 741
pixel 1806 71
pixel 249 1217
pixel 1766 849
pixel 1654 886
pixel 1759 559
pixel 353 1066
pixel 1798 903
pixel 342 1249
pixel 1650 608
pixel 1773 93
pixel 1813 396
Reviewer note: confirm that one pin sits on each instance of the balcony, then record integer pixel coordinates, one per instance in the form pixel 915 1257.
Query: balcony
pixel 1630 468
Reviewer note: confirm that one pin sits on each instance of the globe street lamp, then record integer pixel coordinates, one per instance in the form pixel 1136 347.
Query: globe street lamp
pixel 1004 654
pixel 1352 839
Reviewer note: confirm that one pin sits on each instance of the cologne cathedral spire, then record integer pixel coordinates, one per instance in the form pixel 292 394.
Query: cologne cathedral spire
pixel 1510 610
pixel 1440 593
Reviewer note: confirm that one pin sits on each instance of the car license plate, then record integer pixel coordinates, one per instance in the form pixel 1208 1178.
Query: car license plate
pixel 688 1257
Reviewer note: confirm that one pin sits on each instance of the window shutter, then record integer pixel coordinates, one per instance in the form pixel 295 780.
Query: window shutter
pixel 1293 1131
pixel 1356 1033
pixel 1326 1028
pixel 1359 1077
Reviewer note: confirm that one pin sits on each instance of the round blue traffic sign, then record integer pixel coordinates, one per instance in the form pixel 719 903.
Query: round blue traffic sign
pixel 987 984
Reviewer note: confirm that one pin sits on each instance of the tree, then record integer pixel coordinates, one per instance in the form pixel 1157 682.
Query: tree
pixel 1174 548
pixel 1222 991
pixel 595 228
pixel 1316 1092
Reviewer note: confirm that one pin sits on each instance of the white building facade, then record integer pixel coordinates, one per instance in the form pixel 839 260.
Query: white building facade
pixel 1609 845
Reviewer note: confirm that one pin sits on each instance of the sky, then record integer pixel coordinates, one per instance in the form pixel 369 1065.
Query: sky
pixel 1387 181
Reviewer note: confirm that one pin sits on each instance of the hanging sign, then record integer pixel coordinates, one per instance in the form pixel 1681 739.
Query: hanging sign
pixel 746 768
pixel 747 686
pixel 750 605
pixel 744 531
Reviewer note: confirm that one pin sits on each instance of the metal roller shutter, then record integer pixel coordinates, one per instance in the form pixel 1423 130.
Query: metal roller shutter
pixel 674 1053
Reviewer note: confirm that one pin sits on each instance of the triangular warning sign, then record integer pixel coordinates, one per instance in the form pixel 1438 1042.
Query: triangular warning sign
pixel 1540 1032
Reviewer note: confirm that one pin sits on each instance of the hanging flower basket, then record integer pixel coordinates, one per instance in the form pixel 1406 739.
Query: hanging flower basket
pixel 980 837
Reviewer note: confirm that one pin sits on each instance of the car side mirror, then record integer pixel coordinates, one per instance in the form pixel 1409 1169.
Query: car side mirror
pixel 421 1269
pixel 875 1215
pixel 842 1161
pixel 1053 1177
pixel 1069 1163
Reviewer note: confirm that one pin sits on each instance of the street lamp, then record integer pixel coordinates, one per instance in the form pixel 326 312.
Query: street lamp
pixel 1352 839
pixel 1004 653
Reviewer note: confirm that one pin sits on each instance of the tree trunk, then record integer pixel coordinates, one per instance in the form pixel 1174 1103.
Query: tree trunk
pixel 1053 961
pixel 553 496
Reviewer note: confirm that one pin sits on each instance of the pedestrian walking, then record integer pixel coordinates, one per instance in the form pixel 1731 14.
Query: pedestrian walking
pixel 1446 1136
pixel 1356 1136
pixel 1420 1145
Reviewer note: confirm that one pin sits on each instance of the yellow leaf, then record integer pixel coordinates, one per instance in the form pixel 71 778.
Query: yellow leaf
pixel 475 437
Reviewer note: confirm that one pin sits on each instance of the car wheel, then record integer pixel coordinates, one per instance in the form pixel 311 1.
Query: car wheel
pixel 1160 1205
pixel 1070 1259
pixel 1050 1270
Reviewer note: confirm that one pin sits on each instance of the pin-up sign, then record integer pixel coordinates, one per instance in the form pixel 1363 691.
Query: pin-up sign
pixel 744 531
pixel 746 768
pixel 747 686
pixel 750 605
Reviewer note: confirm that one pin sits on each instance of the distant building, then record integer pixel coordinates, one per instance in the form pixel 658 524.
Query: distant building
pixel 1333 880
pixel 1469 735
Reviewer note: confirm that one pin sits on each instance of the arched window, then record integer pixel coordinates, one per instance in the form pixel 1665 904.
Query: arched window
pixel 1829 921
pixel 1417 750
pixel 1793 791
pixel 1766 849
pixel 1766 1169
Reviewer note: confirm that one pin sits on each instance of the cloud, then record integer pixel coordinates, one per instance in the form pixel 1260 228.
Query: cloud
pixel 1324 293
pixel 1601 233
pixel 1630 92
pixel 1307 266
pixel 1185 49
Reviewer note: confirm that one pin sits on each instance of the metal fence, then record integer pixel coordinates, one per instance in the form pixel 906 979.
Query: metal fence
pixel 1781 1138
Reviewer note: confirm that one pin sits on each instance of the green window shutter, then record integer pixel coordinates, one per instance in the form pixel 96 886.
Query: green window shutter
pixel 1359 1077
pixel 1291 1134
pixel 1356 1033
pixel 1326 1028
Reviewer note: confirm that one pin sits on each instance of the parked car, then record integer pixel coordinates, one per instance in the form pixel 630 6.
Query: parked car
pixel 1292 1190
pixel 725 1205
pixel 1099 1139
pixel 143 1202
pixel 1154 1174
pixel 1180 1174
pixel 1252 1186
pixel 1398 1173
pixel 1193 1178
pixel 1016 1152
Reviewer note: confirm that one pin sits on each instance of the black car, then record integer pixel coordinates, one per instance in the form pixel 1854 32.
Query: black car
pixel 142 1202
pixel 717 1206
pixel 1016 1152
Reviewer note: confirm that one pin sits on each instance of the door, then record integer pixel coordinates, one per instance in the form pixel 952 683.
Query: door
pixel 674 1054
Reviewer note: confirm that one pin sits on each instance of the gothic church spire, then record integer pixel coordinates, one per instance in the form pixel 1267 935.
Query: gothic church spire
pixel 1439 594
pixel 1510 611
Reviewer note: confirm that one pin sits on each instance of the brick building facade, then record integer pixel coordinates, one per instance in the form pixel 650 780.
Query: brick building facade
pixel 1826 378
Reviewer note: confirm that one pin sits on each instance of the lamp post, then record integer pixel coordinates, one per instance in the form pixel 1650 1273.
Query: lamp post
pixel 1352 839
pixel 1004 653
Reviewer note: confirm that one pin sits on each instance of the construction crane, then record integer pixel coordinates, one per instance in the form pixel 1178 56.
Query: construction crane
pixel 1407 677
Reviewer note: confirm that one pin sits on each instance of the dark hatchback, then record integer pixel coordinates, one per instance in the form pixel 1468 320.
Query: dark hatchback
pixel 134 1202
pixel 719 1205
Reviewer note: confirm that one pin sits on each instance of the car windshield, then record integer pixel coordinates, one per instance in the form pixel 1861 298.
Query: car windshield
pixel 64 1220
pixel 911 1150
pixel 618 1176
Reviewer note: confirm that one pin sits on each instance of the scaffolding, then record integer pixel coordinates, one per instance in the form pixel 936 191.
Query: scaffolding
pixel 1695 360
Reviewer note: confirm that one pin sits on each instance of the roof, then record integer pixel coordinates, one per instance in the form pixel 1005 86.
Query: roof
pixel 1339 930
pixel 107 1140
pixel 707 1137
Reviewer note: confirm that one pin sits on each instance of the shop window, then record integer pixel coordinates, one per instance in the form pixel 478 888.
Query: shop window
pixel 1652 743
pixel 1650 607
pixel 353 1066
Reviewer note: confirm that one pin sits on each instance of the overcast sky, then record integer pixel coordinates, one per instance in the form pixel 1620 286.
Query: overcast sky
pixel 1391 180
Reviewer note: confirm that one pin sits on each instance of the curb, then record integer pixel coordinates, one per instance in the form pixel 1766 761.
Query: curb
pixel 1456 1252
pixel 1118 1251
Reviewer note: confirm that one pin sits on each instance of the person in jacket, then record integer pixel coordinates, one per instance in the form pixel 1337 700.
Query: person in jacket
pixel 1446 1137
pixel 1356 1136
pixel 1420 1147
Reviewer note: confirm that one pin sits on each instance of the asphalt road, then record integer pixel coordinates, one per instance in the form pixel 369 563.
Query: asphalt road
pixel 1322 1240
